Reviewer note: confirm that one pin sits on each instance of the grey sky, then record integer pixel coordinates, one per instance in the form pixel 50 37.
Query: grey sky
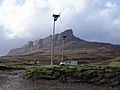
pixel 24 20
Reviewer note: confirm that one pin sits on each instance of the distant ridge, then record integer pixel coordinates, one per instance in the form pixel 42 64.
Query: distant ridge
pixel 71 43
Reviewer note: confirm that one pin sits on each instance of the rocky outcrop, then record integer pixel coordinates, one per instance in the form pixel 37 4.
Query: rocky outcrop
pixel 72 43
pixel 44 43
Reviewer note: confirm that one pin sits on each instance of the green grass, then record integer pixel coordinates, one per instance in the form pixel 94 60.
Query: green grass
pixel 93 74
pixel 115 62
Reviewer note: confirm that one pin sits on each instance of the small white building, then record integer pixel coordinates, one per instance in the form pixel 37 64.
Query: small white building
pixel 69 63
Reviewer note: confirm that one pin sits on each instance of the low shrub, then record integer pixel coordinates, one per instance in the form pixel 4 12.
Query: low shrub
pixel 96 74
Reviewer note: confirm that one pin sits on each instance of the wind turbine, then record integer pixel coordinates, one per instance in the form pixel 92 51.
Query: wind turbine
pixel 55 16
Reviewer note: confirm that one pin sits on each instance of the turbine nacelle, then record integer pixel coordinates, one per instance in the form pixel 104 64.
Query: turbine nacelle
pixel 56 16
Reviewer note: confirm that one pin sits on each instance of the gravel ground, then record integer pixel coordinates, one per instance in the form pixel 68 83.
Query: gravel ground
pixel 11 80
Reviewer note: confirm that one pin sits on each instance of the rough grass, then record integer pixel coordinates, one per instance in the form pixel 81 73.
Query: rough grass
pixel 93 74
pixel 115 62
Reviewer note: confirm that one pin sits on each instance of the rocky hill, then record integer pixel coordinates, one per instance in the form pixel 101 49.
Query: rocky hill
pixel 44 43
pixel 75 48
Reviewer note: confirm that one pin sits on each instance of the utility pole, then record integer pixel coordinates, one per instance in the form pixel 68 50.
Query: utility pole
pixel 63 43
pixel 52 44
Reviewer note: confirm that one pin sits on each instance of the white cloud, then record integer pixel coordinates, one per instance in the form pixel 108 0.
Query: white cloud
pixel 110 4
pixel 97 20
pixel 20 20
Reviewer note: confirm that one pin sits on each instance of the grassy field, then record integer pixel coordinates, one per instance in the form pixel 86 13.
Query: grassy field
pixel 91 74
pixel 115 62
pixel 105 72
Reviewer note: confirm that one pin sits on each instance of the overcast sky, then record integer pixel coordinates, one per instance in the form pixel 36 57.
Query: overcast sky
pixel 25 20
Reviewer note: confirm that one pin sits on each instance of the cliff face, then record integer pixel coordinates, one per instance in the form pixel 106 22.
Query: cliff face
pixel 44 43
pixel 72 44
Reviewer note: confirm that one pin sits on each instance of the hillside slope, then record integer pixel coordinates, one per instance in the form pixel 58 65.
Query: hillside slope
pixel 75 48
pixel 44 43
